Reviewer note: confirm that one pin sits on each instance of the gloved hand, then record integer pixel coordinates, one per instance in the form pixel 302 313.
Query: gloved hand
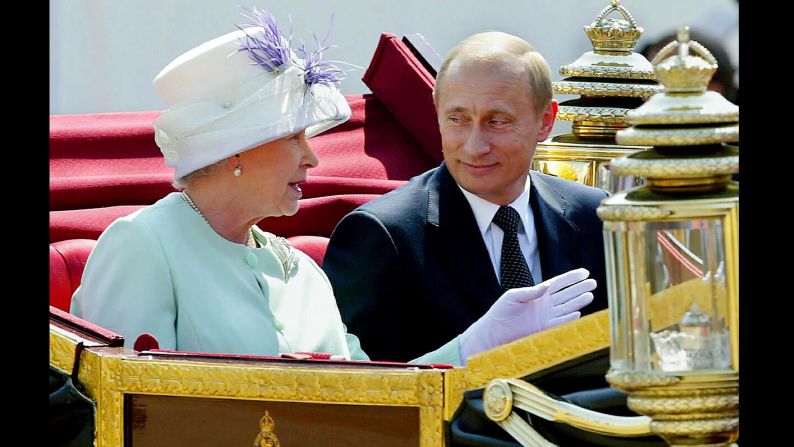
pixel 526 310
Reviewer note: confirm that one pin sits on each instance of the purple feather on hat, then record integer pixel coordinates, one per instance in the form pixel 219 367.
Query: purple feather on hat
pixel 318 70
pixel 272 49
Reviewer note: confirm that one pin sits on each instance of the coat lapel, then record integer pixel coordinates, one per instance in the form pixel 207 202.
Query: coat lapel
pixel 557 236
pixel 456 241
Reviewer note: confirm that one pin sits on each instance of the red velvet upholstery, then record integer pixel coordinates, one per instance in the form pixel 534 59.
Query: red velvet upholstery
pixel 317 216
pixel 67 261
pixel 314 246
pixel 405 87
pixel 370 145
pixel 105 159
pixel 85 223
pixel 60 282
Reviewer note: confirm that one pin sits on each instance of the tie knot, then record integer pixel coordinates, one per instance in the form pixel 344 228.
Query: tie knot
pixel 507 218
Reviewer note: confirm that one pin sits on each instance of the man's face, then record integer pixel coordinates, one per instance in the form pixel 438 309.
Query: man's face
pixel 489 128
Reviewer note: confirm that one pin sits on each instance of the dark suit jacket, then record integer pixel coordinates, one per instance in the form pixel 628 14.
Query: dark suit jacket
pixel 410 270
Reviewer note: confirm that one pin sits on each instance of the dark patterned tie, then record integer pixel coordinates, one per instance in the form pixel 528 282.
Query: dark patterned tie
pixel 514 271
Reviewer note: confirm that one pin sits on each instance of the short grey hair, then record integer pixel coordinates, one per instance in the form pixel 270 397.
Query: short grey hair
pixel 493 47
pixel 182 182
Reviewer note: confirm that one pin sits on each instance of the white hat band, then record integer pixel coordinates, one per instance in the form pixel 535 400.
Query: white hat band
pixel 221 99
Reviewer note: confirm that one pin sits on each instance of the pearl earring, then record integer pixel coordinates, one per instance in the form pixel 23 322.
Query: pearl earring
pixel 238 170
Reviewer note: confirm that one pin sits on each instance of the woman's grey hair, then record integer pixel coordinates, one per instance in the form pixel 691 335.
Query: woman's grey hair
pixel 181 183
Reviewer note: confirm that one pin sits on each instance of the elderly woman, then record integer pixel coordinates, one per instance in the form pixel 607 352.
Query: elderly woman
pixel 196 272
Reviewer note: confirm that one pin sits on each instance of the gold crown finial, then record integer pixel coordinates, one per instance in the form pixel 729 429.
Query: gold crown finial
pixel 688 71
pixel 267 423
pixel 613 35
pixel 685 115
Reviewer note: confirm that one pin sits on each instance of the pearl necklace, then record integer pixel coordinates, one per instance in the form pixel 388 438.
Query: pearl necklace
pixel 251 242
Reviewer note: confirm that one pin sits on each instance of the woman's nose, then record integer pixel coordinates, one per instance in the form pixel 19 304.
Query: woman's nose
pixel 309 157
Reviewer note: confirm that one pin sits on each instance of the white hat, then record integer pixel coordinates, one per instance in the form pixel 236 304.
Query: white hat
pixel 223 98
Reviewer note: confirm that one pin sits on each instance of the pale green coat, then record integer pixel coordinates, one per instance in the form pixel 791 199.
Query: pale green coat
pixel 163 270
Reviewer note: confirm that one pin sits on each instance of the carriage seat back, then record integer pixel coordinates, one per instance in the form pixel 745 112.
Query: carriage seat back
pixel 67 261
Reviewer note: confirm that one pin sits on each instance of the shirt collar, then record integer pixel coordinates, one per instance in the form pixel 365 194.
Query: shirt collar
pixel 484 211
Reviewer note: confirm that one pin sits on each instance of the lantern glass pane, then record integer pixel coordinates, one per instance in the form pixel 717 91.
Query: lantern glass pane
pixel 668 297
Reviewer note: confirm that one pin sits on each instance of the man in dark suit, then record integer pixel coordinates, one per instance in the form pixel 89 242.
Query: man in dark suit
pixel 416 267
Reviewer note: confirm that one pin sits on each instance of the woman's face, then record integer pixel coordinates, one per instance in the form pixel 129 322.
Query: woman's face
pixel 272 174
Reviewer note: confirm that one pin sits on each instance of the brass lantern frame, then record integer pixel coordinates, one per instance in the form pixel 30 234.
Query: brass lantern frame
pixel 683 404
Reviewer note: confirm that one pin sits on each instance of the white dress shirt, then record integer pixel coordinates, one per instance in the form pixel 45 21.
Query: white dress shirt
pixel 484 212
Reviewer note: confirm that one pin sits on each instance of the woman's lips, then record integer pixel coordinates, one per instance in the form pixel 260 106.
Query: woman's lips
pixel 296 187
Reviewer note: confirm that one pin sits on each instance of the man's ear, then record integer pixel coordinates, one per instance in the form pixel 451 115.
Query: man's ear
pixel 547 120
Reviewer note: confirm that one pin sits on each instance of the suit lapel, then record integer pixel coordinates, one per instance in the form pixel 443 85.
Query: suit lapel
pixel 557 236
pixel 457 244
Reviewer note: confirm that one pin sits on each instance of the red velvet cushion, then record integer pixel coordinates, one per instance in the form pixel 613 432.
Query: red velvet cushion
pixel 67 261
pixel 85 223
pixel 314 246
pixel 370 145
pixel 320 186
pixel 107 189
pixel 317 216
pixel 400 81
pixel 60 284
pixel 103 159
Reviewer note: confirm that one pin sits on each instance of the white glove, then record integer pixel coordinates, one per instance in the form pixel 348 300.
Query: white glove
pixel 526 310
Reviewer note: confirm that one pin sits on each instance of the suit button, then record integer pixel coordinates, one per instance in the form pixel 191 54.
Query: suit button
pixel 277 324
pixel 251 259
